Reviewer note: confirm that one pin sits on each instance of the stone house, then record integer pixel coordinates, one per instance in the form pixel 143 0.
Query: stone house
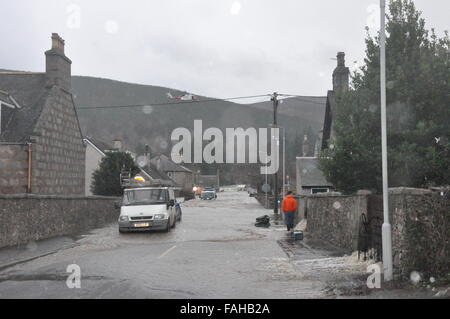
pixel 41 145
pixel 341 78
pixel 310 179
pixel 181 175
pixel 153 176
pixel 95 151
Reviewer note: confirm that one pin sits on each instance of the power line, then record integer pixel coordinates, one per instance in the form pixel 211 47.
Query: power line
pixel 302 98
pixel 168 103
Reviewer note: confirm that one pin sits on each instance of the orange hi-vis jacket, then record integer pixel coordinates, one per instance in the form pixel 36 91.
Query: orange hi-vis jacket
pixel 289 203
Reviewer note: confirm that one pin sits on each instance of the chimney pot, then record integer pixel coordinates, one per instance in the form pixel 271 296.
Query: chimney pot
pixel 57 42
pixel 117 144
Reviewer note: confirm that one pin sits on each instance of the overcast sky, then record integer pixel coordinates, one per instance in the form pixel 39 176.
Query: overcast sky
pixel 217 48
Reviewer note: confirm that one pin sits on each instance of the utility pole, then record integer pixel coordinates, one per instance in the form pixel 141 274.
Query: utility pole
pixel 386 228
pixel 275 176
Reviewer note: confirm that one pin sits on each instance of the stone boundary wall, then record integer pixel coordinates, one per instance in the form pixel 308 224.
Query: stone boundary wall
pixel 29 217
pixel 334 218
pixel 420 221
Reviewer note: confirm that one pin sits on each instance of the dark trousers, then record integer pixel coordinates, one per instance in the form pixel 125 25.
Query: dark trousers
pixel 289 219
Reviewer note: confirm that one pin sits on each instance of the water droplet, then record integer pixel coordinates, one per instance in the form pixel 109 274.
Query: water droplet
pixel 147 109
pixel 111 27
pixel 337 205
pixel 415 277
pixel 32 246
pixel 235 8
pixel 163 144
pixel 373 108
pixel 390 85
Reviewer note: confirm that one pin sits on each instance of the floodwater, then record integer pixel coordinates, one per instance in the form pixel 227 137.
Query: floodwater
pixel 215 252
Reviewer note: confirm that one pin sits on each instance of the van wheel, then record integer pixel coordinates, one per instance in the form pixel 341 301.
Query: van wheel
pixel 168 226
pixel 175 223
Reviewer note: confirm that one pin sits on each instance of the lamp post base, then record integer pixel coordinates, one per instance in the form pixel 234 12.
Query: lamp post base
pixel 386 233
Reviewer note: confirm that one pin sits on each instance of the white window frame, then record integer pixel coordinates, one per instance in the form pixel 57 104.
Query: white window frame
pixel 321 188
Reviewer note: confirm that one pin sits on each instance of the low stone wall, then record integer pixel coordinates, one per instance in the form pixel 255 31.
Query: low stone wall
pixel 25 218
pixel 335 218
pixel 420 221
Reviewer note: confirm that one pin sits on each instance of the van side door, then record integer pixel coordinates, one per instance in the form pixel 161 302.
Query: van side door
pixel 171 208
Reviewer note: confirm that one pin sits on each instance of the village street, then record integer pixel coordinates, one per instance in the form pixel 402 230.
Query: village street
pixel 215 252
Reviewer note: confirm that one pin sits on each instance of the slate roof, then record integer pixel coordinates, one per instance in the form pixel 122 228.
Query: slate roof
pixel 5 97
pixel 29 90
pixel 157 176
pixel 101 145
pixel 167 165
pixel 328 121
pixel 310 174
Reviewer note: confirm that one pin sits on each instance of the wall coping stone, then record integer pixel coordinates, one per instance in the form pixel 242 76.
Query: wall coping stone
pixel 40 196
pixel 409 191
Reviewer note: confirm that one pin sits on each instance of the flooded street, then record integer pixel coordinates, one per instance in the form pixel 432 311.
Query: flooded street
pixel 215 252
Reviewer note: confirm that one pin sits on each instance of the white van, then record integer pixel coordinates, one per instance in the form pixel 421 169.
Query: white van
pixel 148 208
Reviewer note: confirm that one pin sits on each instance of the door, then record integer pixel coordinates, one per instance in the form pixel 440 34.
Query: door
pixel 172 208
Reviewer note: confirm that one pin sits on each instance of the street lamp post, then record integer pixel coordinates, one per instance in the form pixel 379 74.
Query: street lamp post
pixel 284 161
pixel 275 177
pixel 386 228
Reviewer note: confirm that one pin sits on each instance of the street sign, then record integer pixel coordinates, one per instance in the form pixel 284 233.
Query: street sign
pixel 266 188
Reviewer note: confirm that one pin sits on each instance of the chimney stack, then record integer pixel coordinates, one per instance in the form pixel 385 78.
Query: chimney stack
pixel 147 153
pixel 341 75
pixel 58 66
pixel 117 144
pixel 305 148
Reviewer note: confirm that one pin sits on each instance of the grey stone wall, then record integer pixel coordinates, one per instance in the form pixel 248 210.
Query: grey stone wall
pixel 13 169
pixel 336 218
pixel 420 221
pixel 25 218
pixel 59 151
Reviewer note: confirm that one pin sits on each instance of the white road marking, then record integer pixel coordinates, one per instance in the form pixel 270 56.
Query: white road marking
pixel 167 251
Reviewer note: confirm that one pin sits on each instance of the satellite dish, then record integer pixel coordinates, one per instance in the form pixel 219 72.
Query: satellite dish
pixel 142 161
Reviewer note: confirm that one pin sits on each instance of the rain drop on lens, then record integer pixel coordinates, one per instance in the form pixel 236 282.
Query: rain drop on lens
pixel 235 8
pixel 147 109
pixel 111 27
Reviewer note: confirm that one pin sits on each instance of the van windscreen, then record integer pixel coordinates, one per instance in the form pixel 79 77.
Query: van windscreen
pixel 145 197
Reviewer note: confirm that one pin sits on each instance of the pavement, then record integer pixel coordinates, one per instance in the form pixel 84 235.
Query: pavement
pixel 215 252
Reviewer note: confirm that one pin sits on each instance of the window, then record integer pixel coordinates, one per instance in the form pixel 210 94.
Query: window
pixel 319 190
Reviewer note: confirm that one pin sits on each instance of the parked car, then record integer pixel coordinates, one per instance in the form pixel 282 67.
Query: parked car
pixel 148 208
pixel 208 194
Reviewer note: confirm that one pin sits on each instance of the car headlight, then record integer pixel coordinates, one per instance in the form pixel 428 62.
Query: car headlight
pixel 123 218
pixel 159 216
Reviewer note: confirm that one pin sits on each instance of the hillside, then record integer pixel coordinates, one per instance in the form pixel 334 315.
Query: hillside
pixel 138 126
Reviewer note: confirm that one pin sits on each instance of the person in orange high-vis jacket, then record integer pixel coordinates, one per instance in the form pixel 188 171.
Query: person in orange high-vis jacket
pixel 289 207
